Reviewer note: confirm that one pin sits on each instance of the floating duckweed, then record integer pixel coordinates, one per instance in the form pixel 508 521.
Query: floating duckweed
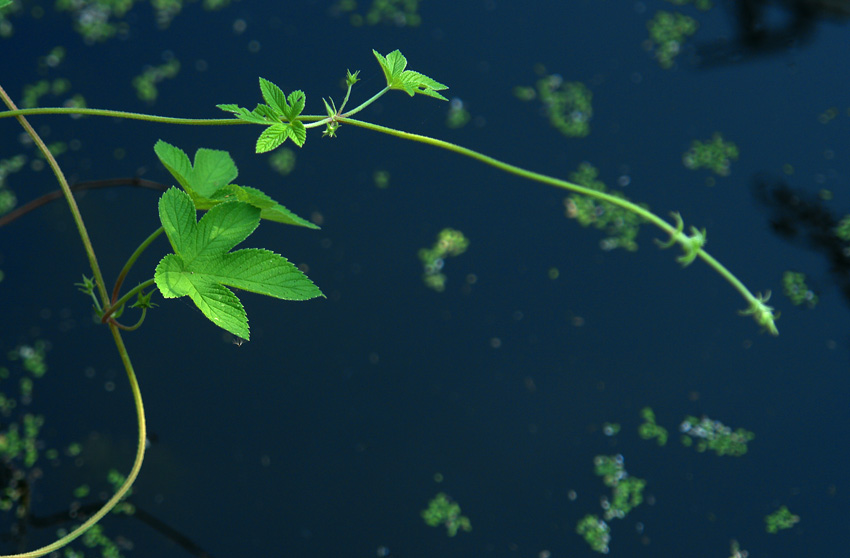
pixel 401 13
pixel 780 519
pixel 703 5
pixel 458 116
pixel 283 161
pixel 716 155
pixel 443 511
pixel 714 435
pixel 795 288
pixel 667 32
pixel 649 429
pixel 842 231
pixel 381 178
pixel 145 83
pixel 596 533
pixel 450 242
pixel 568 104
pixel 621 226
pixel 627 492
pixel 610 429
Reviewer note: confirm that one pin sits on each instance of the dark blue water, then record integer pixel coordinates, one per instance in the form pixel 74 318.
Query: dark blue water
pixel 322 435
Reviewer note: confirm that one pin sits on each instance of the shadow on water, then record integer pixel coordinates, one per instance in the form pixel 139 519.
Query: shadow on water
pixel 803 218
pixel 770 27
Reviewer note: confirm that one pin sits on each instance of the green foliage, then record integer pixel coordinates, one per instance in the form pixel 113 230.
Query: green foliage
pixel 842 231
pixel 780 519
pixel 458 116
pixel 620 224
pixel 208 183
pixel 450 242
pixel 96 20
pixel 34 92
pixel 715 436
pixel 626 491
pixel 703 5
pixel 400 13
pixel 381 178
pixel 595 532
pixel 668 31
pixel 611 428
pixel 100 20
pixel 626 494
pixel 283 161
pixel 649 429
pixel 9 166
pixel 736 550
pixel 145 83
pixel 716 155
pixel 795 288
pixel 443 511
pixel 410 82
pixel 95 538
pixel 280 114
pixel 202 265
pixel 568 104
pixel 20 445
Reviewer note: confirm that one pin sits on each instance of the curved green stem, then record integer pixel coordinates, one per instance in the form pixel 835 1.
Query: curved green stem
pixel 116 334
pixel 108 311
pixel 340 114
pixel 364 104
pixel 133 327
pixel 126 269
pixel 131 477
pixel 762 313
pixel 63 183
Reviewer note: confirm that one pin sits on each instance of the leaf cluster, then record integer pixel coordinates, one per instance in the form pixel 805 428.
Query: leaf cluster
pixel 202 265
pixel 280 113
pixel 411 82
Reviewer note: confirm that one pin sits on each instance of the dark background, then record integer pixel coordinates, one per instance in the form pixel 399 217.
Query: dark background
pixel 322 435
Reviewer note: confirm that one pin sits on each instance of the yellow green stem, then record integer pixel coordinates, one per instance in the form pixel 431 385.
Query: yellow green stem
pixel 762 313
pixel 119 343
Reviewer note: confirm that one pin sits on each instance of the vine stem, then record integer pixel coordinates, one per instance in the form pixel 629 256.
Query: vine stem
pixel 108 311
pixel 126 269
pixel 116 334
pixel 763 314
pixel 692 244
pixel 16 112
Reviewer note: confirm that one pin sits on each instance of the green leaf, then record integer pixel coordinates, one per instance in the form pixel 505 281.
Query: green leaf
pixel 414 82
pixel 245 114
pixel 268 115
pixel 272 137
pixel 298 132
pixel 4 3
pixel 331 111
pixel 394 65
pixel 269 208
pixel 297 100
pixel 274 96
pixel 202 266
pixel 212 170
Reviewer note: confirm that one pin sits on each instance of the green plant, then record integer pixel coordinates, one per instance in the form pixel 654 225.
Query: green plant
pixel 443 511
pixel 780 519
pixel 202 265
